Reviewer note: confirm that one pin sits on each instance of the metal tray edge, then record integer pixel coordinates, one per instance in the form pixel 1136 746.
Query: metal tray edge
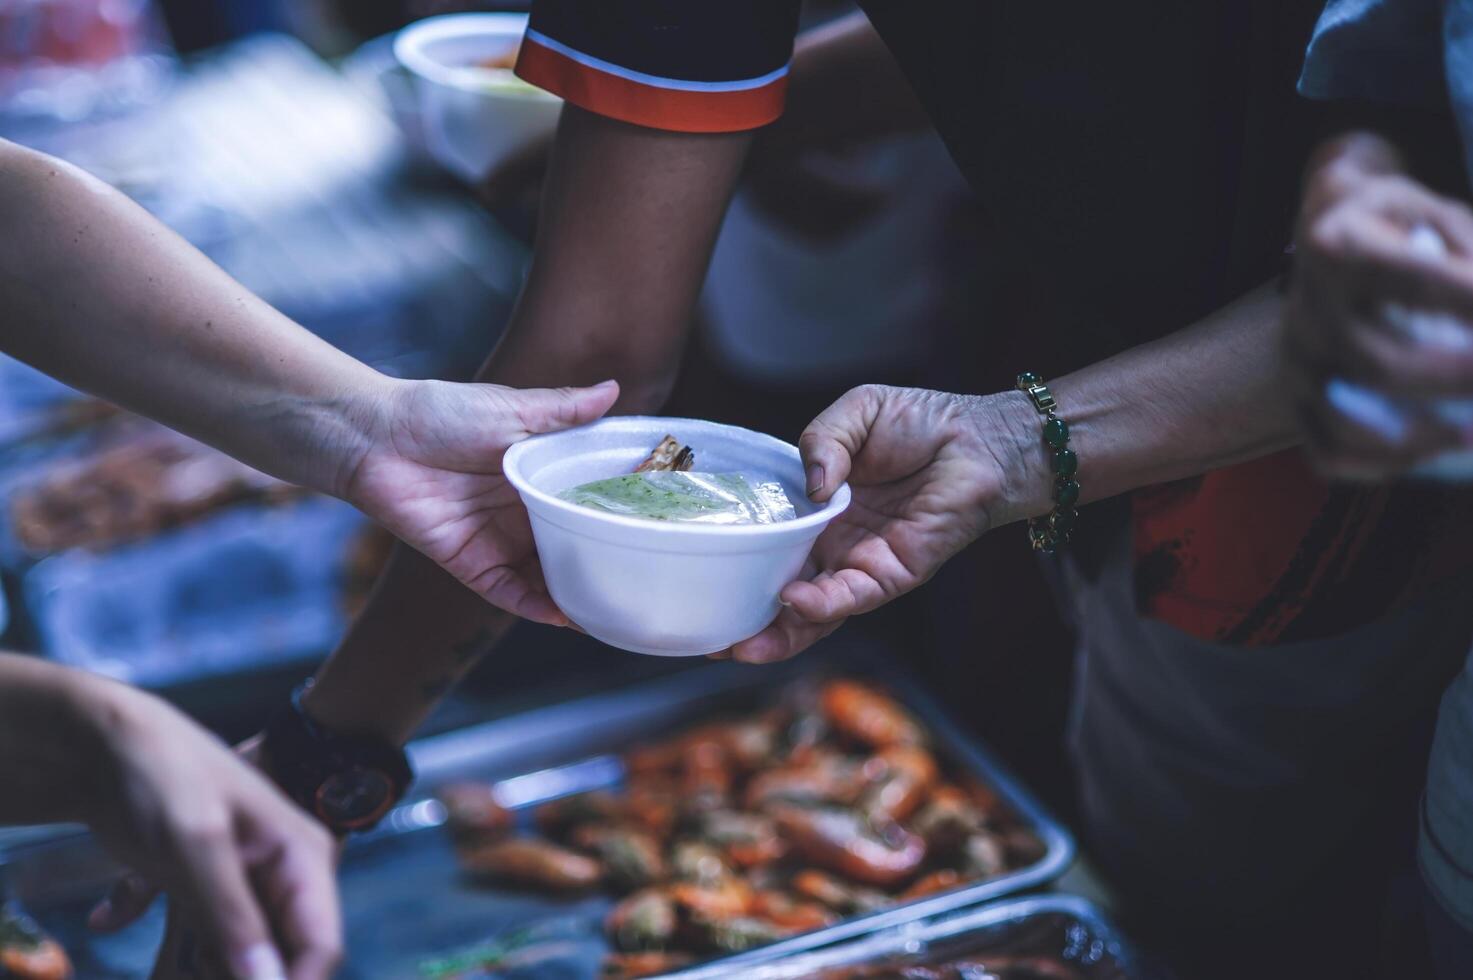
pixel 876 944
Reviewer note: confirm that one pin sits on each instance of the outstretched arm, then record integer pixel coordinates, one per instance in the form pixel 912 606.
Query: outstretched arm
pixel 96 292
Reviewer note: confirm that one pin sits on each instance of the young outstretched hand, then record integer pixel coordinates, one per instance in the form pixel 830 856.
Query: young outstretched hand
pixel 429 470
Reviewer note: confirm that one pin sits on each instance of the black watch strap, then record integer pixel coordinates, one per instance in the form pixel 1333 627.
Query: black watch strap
pixel 348 782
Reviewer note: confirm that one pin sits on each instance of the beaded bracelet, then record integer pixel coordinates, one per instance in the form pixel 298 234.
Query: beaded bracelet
pixel 1048 533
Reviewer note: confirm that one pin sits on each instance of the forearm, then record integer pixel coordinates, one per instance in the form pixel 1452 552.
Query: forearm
pixel 419 634
pixel 49 720
pixel 628 222
pixel 1205 397
pixel 96 292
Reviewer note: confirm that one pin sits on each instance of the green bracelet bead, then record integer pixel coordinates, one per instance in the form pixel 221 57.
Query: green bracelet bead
pixel 1063 520
pixel 1066 492
pixel 1056 433
pixel 1027 379
pixel 1066 462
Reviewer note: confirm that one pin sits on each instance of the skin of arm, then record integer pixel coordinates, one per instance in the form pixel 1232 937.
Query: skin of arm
pixel 931 472
pixel 1205 397
pixel 96 292
pixel 202 354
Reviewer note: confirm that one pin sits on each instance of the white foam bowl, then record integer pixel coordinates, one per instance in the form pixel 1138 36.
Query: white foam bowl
pixel 474 118
pixel 672 590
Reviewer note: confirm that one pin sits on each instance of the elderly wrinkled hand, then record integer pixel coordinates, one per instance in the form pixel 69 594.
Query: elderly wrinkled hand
pixel 1379 322
pixel 927 471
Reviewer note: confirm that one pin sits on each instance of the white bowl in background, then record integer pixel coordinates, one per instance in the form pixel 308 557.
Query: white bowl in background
pixel 668 589
pixel 474 118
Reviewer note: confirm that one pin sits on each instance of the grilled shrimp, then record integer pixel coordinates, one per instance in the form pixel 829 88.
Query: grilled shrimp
pixel 842 841
pixel 837 895
pixel 907 774
pixel 525 861
pixel 861 713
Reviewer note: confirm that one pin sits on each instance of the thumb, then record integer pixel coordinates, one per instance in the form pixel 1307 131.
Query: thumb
pixel 831 441
pixel 551 409
pixel 214 886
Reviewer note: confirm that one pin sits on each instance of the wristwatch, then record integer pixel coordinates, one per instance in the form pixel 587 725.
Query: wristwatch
pixel 348 782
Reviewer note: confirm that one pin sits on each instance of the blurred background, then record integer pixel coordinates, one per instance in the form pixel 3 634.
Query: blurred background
pixel 290 144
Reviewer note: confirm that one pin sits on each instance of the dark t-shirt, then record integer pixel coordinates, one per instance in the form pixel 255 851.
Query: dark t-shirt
pixel 1140 161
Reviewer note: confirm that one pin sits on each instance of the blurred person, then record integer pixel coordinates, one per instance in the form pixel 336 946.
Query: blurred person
pixel 1356 261
pixel 1379 336
pixel 1260 650
pixel 99 294
pixel 1357 281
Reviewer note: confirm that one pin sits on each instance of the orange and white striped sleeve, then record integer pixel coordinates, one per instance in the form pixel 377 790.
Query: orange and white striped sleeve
pixel 696 66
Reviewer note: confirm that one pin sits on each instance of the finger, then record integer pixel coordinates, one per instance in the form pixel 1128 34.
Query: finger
pixel 1356 433
pixel 212 880
pixel 1351 412
pixel 515 592
pixel 834 438
pixel 1411 205
pixel 1440 332
pixel 538 607
pixel 788 635
pixel 1380 264
pixel 124 905
pixel 296 878
pixel 551 409
pixel 834 596
pixel 1392 206
pixel 1395 364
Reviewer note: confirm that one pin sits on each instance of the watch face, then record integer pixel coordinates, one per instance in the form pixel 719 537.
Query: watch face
pixel 354 797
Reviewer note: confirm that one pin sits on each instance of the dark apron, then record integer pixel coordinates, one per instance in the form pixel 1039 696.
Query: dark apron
pixel 1252 807
pixel 1445 847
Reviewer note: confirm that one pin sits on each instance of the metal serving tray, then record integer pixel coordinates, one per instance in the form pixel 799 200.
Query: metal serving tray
pixel 1058 925
pixel 406 901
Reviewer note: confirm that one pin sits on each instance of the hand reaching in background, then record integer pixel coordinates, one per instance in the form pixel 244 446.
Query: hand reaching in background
pixel 1378 329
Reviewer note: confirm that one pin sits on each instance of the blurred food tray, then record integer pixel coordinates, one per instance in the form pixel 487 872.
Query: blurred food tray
pixel 1062 929
pixel 407 901
pixel 251 587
